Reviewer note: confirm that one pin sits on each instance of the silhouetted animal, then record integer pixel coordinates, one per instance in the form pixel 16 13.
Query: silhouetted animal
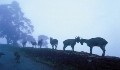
pixel 53 42
pixel 98 41
pixel 40 43
pixel 17 57
pixel 24 43
pixel 71 42
pixel 33 43
pixel 1 53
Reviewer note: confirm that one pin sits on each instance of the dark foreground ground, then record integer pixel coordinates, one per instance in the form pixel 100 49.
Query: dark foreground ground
pixel 48 59
pixel 68 60
pixel 8 62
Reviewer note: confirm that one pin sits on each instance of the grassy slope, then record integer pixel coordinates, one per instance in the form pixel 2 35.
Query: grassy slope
pixel 68 60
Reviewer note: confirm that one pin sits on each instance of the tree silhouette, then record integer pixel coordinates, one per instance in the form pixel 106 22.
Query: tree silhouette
pixel 13 24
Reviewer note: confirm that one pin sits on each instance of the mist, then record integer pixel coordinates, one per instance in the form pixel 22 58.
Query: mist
pixel 68 19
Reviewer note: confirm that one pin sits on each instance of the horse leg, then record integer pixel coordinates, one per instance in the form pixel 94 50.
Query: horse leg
pixel 55 47
pixel 72 48
pixel 103 49
pixel 52 46
pixel 91 50
pixel 64 47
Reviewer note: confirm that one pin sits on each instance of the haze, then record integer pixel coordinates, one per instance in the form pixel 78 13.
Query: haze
pixel 65 19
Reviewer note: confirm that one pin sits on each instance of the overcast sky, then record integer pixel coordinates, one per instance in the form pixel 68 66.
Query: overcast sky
pixel 64 19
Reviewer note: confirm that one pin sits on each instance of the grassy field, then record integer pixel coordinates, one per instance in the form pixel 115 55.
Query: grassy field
pixel 68 60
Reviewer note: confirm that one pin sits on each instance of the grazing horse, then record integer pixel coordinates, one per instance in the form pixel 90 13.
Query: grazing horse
pixel 34 43
pixel 71 42
pixel 53 42
pixel 98 41
pixel 40 43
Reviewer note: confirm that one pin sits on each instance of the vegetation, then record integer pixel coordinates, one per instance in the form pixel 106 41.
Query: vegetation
pixel 13 24
pixel 69 60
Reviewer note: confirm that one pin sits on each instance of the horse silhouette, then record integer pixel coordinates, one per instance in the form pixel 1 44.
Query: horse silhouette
pixel 53 42
pixel 98 41
pixel 71 42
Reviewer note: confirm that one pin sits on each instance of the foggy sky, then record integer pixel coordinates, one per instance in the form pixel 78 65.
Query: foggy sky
pixel 64 19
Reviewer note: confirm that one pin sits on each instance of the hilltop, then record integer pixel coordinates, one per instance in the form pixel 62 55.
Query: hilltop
pixel 68 60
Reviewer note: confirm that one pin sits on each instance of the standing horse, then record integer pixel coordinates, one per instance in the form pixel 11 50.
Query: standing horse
pixel 71 42
pixel 53 42
pixel 98 41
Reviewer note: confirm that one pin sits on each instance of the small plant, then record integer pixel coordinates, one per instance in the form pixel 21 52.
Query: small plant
pixel 17 57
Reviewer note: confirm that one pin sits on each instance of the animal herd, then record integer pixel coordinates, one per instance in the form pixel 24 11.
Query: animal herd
pixel 97 41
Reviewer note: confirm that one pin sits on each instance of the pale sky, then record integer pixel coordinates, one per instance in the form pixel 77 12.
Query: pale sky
pixel 65 19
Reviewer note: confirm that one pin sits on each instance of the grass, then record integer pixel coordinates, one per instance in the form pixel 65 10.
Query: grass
pixel 67 60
